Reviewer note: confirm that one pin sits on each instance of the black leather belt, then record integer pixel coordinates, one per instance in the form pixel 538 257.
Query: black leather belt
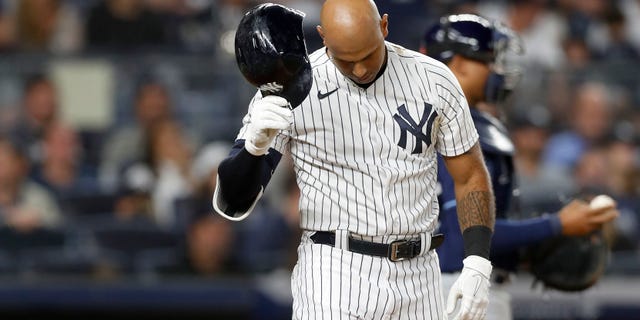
pixel 396 251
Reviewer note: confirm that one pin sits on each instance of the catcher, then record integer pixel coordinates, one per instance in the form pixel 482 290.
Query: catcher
pixel 566 250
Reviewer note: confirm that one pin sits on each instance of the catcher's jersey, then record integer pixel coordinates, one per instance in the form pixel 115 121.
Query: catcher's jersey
pixel 365 159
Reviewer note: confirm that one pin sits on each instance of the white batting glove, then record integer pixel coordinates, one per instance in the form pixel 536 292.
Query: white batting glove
pixel 269 115
pixel 470 291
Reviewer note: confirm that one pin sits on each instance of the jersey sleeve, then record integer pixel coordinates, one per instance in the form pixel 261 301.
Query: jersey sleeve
pixel 280 142
pixel 456 133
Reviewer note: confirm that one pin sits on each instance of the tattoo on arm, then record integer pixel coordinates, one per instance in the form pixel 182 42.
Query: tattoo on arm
pixel 476 208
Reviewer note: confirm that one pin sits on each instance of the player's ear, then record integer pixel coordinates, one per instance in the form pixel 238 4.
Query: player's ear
pixel 320 32
pixel 457 64
pixel 384 24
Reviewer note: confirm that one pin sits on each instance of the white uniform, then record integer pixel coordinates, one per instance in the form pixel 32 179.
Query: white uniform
pixel 365 161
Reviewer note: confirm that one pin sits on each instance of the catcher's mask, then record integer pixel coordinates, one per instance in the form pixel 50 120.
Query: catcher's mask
pixel 271 52
pixel 477 38
pixel 570 263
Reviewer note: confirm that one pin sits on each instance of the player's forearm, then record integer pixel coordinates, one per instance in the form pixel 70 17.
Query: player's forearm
pixel 475 199
pixel 476 208
pixel 473 191
pixel 476 214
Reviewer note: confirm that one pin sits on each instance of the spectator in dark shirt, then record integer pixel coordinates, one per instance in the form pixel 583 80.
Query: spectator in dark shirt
pixel 62 170
pixel 48 25
pixel 208 249
pixel 39 110
pixel 124 24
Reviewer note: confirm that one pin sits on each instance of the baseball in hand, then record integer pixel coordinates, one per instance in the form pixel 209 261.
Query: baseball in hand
pixel 601 201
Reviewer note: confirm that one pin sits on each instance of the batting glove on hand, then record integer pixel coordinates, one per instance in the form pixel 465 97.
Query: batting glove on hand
pixel 471 289
pixel 269 115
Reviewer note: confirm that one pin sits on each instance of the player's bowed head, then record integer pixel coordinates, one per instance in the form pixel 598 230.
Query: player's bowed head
pixel 354 33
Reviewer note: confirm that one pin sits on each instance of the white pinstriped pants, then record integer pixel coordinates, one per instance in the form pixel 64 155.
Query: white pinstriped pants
pixel 331 283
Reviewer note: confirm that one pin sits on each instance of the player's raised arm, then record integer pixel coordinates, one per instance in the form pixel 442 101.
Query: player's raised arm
pixel 476 214
pixel 271 54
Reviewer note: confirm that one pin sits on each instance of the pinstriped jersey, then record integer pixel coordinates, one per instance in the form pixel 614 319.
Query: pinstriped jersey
pixel 365 158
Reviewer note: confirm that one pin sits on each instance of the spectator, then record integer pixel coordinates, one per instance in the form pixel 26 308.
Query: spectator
pixel 49 25
pixel 590 122
pixel 62 171
pixel 577 53
pixel 205 168
pixel 124 24
pixel 189 24
pixel 210 240
pixel 134 197
pixel 7 29
pixel 539 27
pixel 268 237
pixel 23 204
pixel 598 171
pixel 227 15
pixel 166 169
pixel 40 109
pixel 170 156
pixel 591 172
pixel 126 144
pixel 623 173
pixel 618 47
pixel 203 177
pixel 631 11
pixel 208 249
pixel 623 179
pixel 539 186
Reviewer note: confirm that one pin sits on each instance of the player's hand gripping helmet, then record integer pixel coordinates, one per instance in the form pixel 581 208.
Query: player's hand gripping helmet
pixel 272 54
pixel 477 38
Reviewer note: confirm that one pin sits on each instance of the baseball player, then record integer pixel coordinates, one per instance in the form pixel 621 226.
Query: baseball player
pixel 364 145
pixel 477 52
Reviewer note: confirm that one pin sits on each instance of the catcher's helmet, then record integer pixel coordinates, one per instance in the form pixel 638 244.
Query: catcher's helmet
pixel 271 52
pixel 477 38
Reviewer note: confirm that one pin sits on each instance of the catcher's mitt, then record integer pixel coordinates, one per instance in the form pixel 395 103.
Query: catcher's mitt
pixel 569 263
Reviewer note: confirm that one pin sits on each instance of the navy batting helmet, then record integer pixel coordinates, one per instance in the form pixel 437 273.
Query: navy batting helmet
pixel 477 38
pixel 272 54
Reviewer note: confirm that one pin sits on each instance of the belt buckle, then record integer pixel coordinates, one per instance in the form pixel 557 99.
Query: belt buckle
pixel 400 250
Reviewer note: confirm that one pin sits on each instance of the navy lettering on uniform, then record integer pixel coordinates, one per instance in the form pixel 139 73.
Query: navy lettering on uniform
pixel 408 124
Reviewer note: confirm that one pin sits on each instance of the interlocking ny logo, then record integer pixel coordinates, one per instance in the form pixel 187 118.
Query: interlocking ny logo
pixel 407 124
pixel 271 87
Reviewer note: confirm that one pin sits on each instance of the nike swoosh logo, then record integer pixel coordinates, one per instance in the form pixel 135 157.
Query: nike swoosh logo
pixel 324 95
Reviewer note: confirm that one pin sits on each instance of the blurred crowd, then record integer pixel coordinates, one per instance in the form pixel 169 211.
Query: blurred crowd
pixel 131 196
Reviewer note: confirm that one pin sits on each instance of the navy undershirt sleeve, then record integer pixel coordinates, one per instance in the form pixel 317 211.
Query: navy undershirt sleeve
pixel 510 235
pixel 242 176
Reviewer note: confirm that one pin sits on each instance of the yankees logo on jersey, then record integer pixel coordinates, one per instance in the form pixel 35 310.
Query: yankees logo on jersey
pixel 407 124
